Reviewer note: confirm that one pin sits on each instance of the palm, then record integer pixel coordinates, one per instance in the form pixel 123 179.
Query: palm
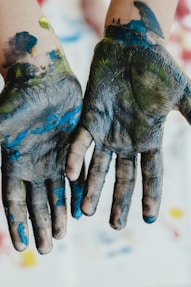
pixel 37 115
pixel 131 90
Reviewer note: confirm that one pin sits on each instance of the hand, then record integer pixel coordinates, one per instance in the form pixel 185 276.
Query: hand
pixel 133 85
pixel 39 108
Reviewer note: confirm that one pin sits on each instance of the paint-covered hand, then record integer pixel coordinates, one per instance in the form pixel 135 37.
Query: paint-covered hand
pixel 39 108
pixel 133 85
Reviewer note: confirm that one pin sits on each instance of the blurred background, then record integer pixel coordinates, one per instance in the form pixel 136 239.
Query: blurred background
pixel 92 254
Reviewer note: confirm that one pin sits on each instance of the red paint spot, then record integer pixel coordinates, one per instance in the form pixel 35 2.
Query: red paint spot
pixel 41 2
pixel 5 246
pixel 182 9
pixel 176 234
pixel 186 55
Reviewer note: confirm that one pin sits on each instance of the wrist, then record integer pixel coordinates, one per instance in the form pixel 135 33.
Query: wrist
pixel 27 37
pixel 122 12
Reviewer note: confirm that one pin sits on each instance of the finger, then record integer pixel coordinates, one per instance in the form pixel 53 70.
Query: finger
pixel 98 169
pixel 37 199
pixel 76 153
pixel 57 201
pixel 185 102
pixel 77 192
pixel 14 201
pixel 152 169
pixel 123 190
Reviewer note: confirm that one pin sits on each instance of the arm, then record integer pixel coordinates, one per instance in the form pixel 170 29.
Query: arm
pixel 25 16
pixel 126 11
pixel 39 108
pixel 133 84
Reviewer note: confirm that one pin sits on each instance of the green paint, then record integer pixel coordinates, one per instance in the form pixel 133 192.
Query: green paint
pixel 152 67
pixel 18 73
pixel 44 23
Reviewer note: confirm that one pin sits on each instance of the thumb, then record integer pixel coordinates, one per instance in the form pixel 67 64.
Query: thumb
pixel 185 103
pixel 77 151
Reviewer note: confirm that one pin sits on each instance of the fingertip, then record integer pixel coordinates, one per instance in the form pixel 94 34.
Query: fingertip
pixel 87 208
pixel 59 233
pixel 117 224
pixel 19 235
pixel 71 173
pixel 43 240
pixel 150 209
pixel 117 227
pixel 77 213
pixel 73 167
pixel 149 219
pixel 59 226
pixel 43 250
pixel 20 246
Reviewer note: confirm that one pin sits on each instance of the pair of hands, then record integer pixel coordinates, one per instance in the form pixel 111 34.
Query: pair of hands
pixel 131 89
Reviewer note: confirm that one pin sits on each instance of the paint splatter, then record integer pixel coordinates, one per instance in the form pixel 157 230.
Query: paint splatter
pixel 60 196
pixel 41 2
pixel 44 23
pixel 121 251
pixel 11 218
pixel 28 259
pixel 15 154
pixel 68 120
pixel 5 245
pixel 18 47
pixel 77 195
pixel 21 233
pixel 176 213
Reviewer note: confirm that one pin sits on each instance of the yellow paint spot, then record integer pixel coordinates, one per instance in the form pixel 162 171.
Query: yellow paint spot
pixel 34 49
pixel 176 212
pixel 44 23
pixel 28 259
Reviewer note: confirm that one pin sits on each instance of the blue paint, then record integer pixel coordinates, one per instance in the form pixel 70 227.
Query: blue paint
pixel 21 233
pixel 53 55
pixel 53 121
pixel 148 18
pixel 149 219
pixel 134 33
pixel 72 38
pixel 77 196
pixel 68 121
pixel 137 25
pixel 120 251
pixel 60 193
pixel 11 218
pixel 15 154
pixel 23 42
pixel 17 140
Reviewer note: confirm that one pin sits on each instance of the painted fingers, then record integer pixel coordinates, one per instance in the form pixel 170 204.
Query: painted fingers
pixel 123 190
pixel 152 175
pixel 16 211
pixel 125 177
pixel 46 204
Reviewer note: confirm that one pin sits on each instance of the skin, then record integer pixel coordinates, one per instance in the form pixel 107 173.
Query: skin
pixel 39 108
pixel 133 84
pixel 38 113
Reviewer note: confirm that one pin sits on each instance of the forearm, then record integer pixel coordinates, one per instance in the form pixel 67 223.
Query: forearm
pixel 17 17
pixel 123 11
